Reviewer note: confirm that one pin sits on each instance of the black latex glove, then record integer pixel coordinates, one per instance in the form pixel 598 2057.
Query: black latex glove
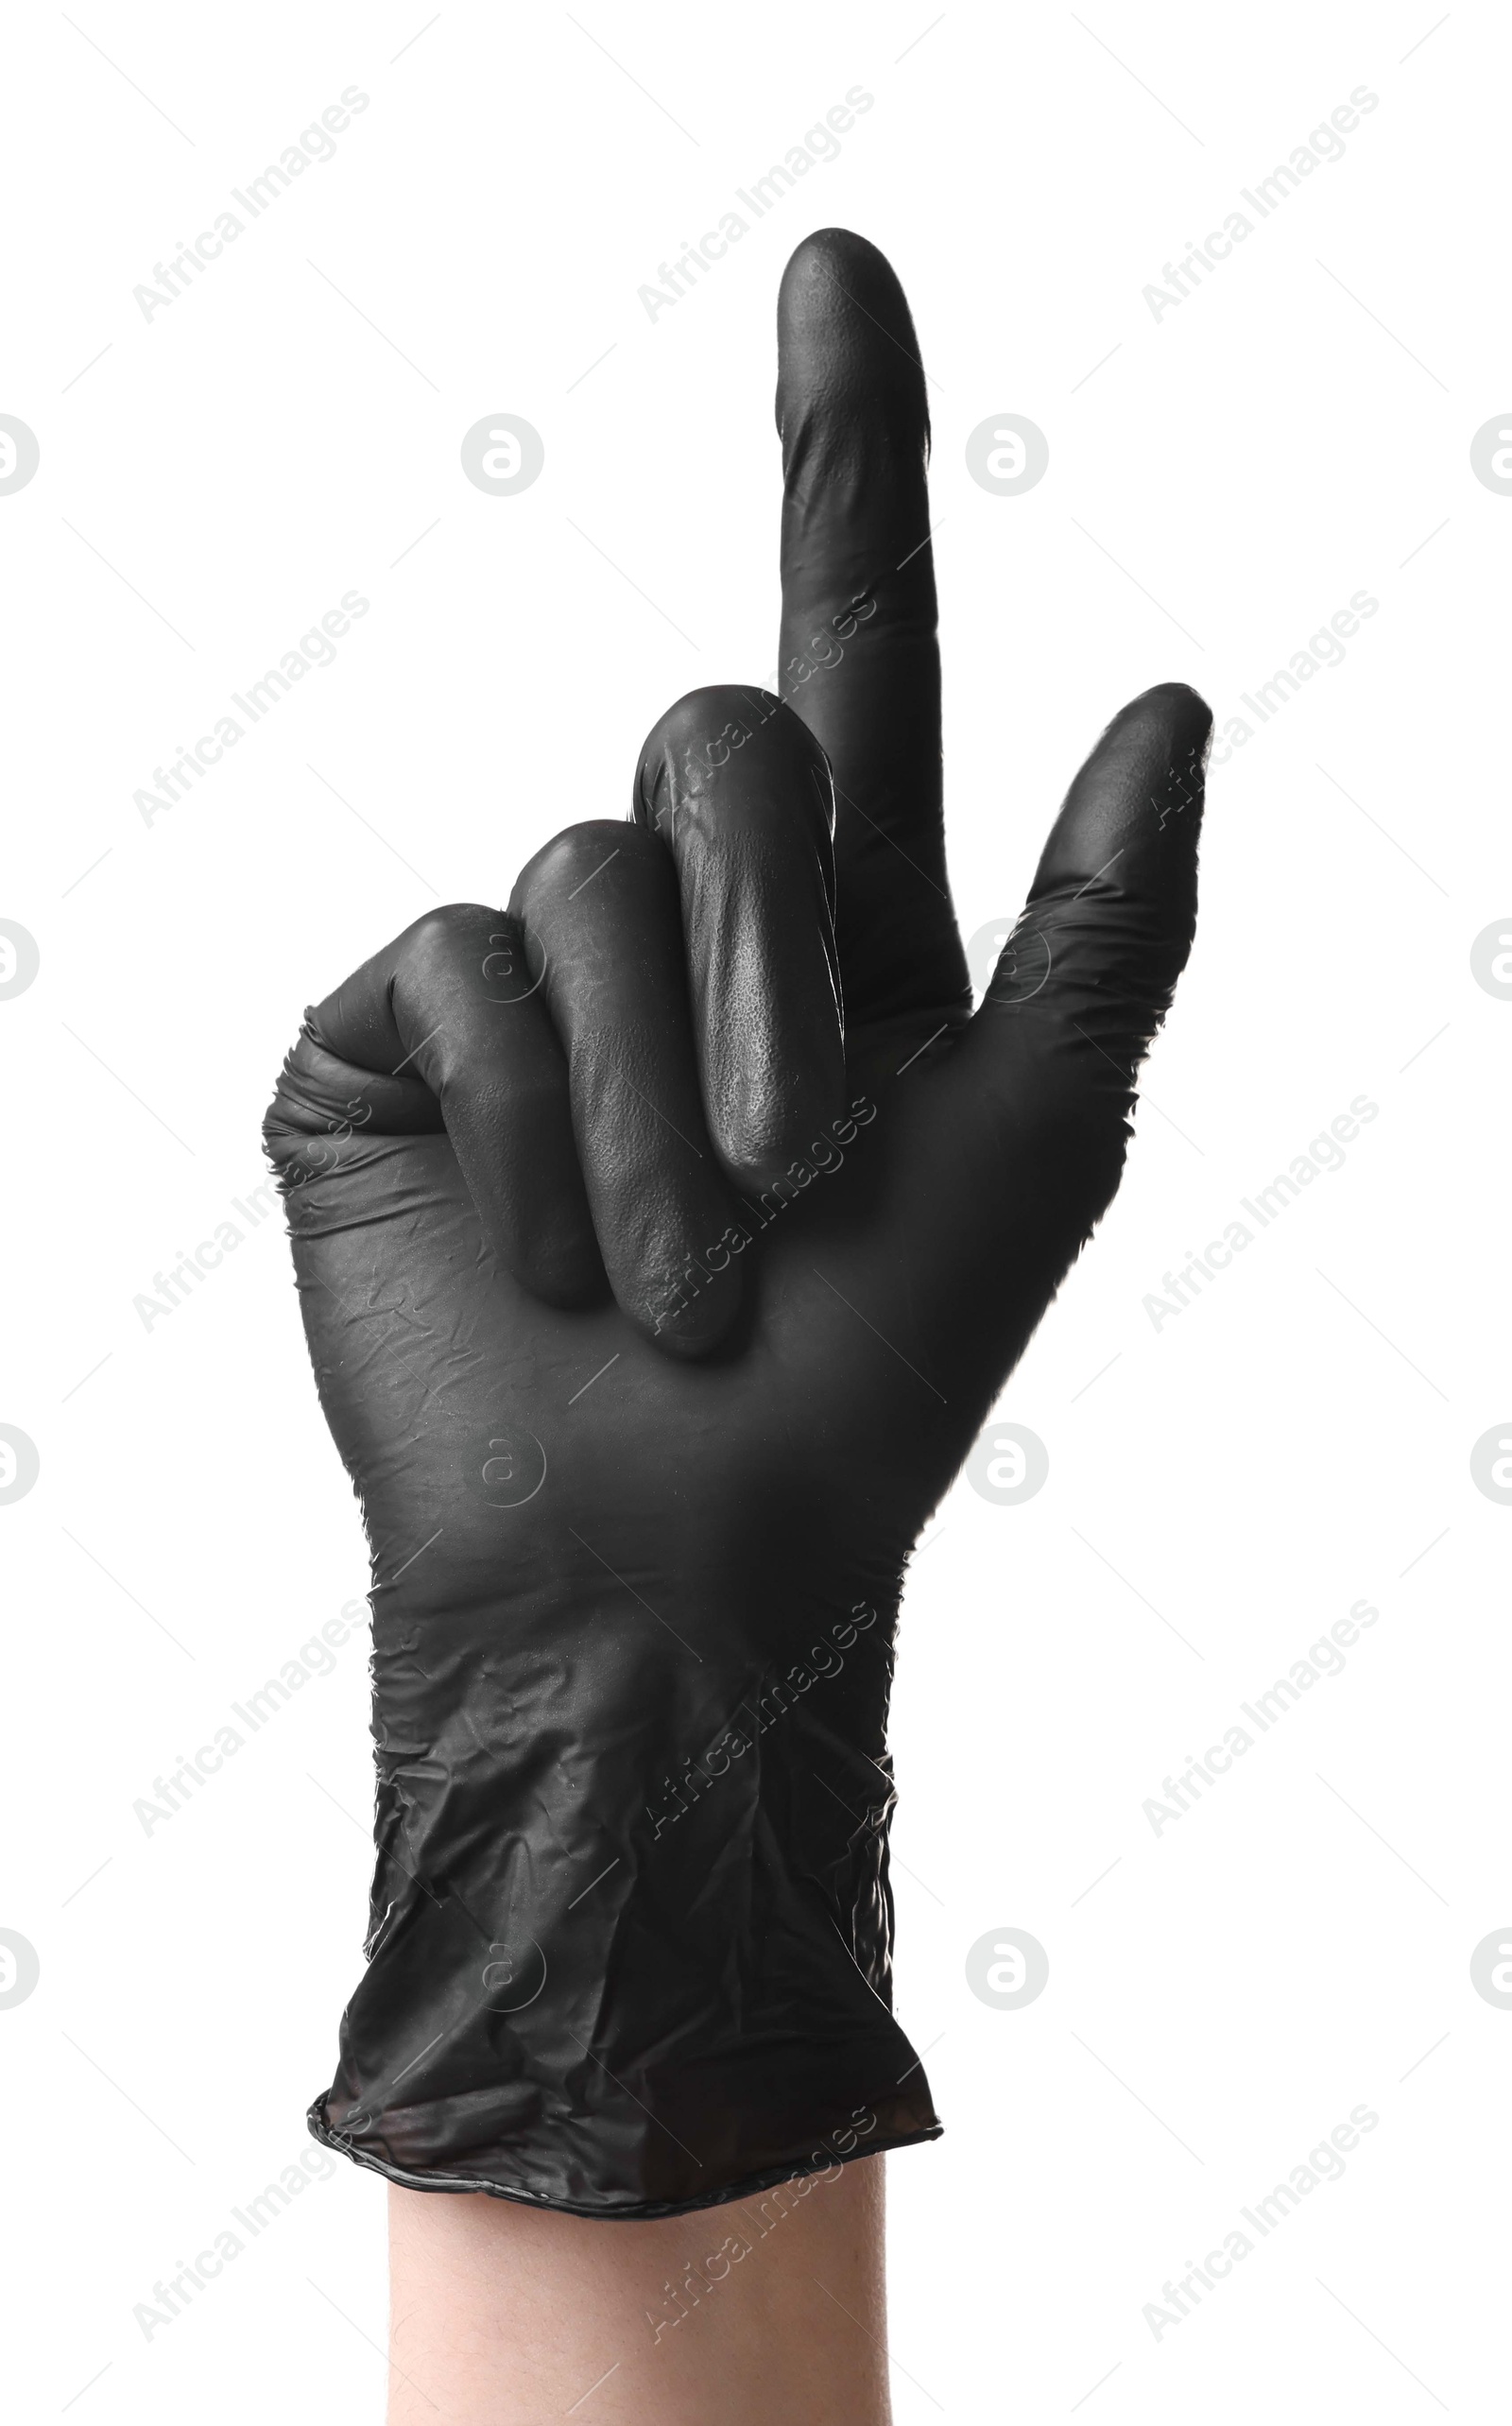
pixel 654 1302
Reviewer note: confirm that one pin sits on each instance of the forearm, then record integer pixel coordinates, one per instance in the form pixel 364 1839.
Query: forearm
pixel 764 2308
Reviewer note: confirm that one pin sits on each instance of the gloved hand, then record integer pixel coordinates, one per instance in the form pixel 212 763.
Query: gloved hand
pixel 662 1243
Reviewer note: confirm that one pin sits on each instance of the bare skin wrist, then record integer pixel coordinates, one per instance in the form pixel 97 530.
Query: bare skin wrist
pixel 502 2313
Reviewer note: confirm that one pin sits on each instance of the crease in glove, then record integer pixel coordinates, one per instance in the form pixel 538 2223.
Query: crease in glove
pixel 663 1241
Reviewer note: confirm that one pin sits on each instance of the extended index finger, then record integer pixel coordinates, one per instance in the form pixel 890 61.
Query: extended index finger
pixel 859 652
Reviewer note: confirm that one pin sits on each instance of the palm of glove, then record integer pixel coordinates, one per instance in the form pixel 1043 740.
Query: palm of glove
pixel 662 1244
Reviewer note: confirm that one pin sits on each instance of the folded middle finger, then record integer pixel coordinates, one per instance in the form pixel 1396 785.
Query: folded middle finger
pixel 739 791
pixel 600 914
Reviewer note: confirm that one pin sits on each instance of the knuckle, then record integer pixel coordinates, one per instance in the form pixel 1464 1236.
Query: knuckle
pixel 727 726
pixel 456 926
pixel 438 981
pixel 709 707
pixel 564 864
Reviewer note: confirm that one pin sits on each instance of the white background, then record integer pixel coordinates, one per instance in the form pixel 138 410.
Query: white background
pixel 1220 482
